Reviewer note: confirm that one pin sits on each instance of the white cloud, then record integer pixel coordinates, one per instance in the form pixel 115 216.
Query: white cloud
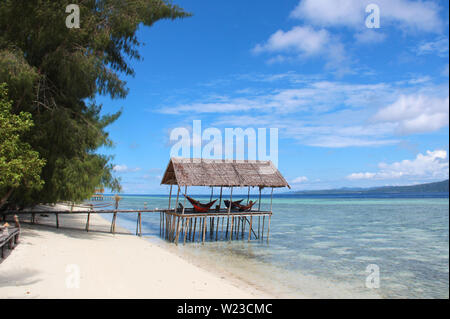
pixel 369 36
pixel 444 71
pixel 330 114
pixel 300 179
pixel 356 176
pixel 416 113
pixel 438 47
pixel 303 40
pixel 409 15
pixel 432 165
pixel 125 169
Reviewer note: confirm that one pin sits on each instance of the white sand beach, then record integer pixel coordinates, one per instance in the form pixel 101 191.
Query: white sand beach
pixel 52 262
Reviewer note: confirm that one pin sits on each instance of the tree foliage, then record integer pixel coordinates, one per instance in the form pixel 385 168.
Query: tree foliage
pixel 19 164
pixel 54 73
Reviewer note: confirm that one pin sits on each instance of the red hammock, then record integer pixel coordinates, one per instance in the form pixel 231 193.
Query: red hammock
pixel 199 207
pixel 246 208
pixel 234 205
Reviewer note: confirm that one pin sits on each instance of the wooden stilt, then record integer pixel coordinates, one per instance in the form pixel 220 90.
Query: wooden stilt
pixel 220 198
pixel 259 201
pixel 57 220
pixel 184 207
pixel 262 231
pixel 259 221
pixel 170 196
pixel 232 224
pixel 204 230
pixel 271 195
pixel 228 213
pixel 87 221
pixel 195 225
pixel 268 229
pixel 140 224
pixel 185 231
pixel 250 229
pixel 217 226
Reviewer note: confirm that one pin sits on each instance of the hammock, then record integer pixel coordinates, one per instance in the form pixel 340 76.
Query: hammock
pixel 234 205
pixel 246 208
pixel 199 207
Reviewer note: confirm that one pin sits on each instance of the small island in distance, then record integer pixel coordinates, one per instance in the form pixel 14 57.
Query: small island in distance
pixel 436 187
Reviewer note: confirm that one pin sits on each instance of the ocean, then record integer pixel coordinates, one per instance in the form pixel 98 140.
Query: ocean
pixel 328 246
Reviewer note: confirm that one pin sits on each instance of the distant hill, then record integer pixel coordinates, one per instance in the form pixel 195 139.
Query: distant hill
pixel 437 187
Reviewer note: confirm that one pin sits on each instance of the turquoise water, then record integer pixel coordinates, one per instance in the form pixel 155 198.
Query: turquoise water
pixel 320 246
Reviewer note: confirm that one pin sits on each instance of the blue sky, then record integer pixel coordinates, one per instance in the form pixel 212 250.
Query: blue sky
pixel 353 106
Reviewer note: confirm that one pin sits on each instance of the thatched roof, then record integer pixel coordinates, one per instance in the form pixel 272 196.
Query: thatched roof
pixel 209 172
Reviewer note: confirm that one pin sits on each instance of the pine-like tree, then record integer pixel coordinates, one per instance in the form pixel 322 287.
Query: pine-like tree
pixel 54 73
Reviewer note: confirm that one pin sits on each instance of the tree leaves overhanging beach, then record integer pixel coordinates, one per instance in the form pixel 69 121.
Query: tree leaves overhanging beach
pixel 54 73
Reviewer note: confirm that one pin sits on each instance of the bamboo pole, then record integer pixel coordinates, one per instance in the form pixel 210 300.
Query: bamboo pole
pixel 259 222
pixel 170 195
pixel 204 230
pixel 217 226
pixel 268 229
pixel 271 195
pixel 220 198
pixel 176 203
pixel 228 212
pixel 262 231
pixel 178 219
pixel 259 203
pixel 185 231
pixel 250 229
pixel 195 225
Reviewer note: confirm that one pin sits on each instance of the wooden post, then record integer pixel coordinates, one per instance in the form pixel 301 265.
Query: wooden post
pixel 259 222
pixel 220 198
pixel 170 195
pixel 250 229
pixel 113 223
pixel 186 224
pixel 140 224
pixel 259 203
pixel 204 230
pixel 217 226
pixel 268 228
pixel 182 213
pixel 57 220
pixel 228 212
pixel 195 225
pixel 271 195
pixel 88 217
pixel 262 231
pixel 176 203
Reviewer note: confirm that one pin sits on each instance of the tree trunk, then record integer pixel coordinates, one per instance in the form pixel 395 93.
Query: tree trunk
pixel 5 198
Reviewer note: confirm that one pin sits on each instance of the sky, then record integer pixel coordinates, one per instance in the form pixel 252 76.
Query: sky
pixel 354 106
